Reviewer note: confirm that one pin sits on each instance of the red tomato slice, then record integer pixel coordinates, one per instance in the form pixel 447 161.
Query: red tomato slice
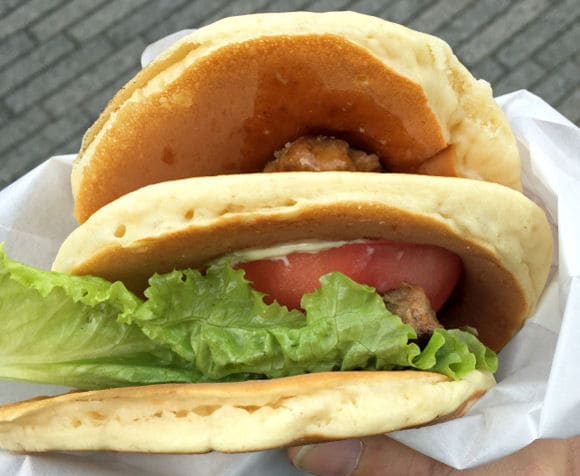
pixel 383 265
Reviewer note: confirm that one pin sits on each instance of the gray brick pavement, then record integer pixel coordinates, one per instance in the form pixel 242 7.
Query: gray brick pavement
pixel 571 104
pixel 286 6
pixel 20 128
pixel 403 11
pixel 62 60
pixel 557 84
pixel 64 17
pixel 5 116
pixel 8 5
pixel 496 33
pixel 192 14
pixel 490 69
pixel 436 15
pixel 67 69
pixel 99 100
pixel 143 19
pixel 472 20
pixel 563 46
pixel 24 15
pixel 84 86
pixel 15 46
pixel 104 18
pixel 538 33
pixel 239 8
pixel 524 76
pixel 45 54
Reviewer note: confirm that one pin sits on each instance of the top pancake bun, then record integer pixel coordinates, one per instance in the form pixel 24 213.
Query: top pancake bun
pixel 224 98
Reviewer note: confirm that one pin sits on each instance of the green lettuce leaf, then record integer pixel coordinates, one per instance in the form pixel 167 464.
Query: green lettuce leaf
pixel 62 329
pixel 345 326
pixel 455 353
pixel 88 333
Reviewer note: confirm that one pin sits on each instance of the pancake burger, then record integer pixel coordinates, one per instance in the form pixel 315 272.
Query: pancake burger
pixel 243 309
pixel 350 362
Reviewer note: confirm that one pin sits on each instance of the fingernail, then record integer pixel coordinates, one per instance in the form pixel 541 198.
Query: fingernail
pixel 339 458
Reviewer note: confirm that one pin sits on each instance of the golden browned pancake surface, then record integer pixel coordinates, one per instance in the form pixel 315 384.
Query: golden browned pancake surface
pixel 226 97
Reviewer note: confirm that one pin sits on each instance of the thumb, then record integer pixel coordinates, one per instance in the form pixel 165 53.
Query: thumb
pixel 368 456
pixel 380 455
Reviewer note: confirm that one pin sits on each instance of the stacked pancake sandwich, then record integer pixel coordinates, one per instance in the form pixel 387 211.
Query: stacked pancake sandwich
pixel 293 227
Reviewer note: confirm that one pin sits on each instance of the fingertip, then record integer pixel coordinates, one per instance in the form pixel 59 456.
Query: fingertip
pixel 384 455
pixel 296 454
pixel 337 458
pixel 292 452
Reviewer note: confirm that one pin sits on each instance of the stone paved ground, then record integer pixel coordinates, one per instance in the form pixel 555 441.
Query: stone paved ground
pixel 62 60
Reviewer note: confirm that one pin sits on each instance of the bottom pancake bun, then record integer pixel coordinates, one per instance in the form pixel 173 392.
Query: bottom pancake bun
pixel 238 417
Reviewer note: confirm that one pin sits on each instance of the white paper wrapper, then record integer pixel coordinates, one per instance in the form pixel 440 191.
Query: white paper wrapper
pixel 537 395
